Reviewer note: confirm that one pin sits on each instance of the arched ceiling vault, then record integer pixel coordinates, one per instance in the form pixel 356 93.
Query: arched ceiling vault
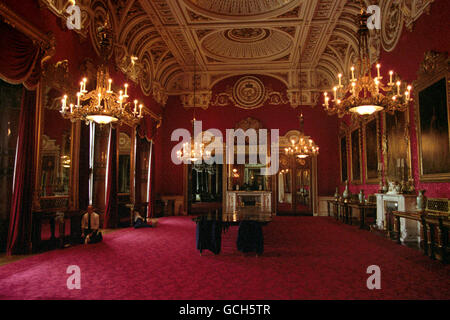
pixel 159 40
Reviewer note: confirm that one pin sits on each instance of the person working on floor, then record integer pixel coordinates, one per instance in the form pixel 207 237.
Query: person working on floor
pixel 90 226
pixel 139 221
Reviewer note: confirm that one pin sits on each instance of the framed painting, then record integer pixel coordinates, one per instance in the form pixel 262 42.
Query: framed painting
pixel 433 117
pixel 397 155
pixel 355 156
pixel 343 158
pixel 372 150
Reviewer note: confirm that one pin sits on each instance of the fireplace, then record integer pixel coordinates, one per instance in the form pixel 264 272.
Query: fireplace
pixel 386 204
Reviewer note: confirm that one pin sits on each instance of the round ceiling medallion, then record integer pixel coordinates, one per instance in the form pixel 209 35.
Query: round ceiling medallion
pixel 247 34
pixel 249 93
pixel 241 9
pixel 247 43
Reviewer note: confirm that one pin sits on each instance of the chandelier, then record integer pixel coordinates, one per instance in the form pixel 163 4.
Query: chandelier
pixel 193 151
pixel 365 94
pixel 303 146
pixel 102 105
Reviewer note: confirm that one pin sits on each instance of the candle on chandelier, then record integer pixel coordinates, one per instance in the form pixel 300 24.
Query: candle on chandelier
pixel 335 92
pixel 135 106
pixel 109 87
pixel 353 73
pixel 78 99
pixel 378 70
pixel 64 103
pixel 81 87
pixel 140 110
pixel 126 90
pixel 84 84
pixel 391 74
pixel 340 79
pixel 99 100
pixel 398 87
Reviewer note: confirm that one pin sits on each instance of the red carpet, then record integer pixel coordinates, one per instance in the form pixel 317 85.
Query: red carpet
pixel 304 258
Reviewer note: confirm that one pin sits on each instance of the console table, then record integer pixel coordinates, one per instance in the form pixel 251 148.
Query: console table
pixel 364 209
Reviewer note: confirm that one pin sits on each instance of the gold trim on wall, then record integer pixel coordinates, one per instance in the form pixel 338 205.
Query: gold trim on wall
pixel 434 68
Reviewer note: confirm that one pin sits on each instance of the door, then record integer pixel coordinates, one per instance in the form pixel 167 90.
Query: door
pixel 294 186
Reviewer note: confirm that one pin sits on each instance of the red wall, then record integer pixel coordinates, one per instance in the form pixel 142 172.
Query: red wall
pixel 318 125
pixel 431 32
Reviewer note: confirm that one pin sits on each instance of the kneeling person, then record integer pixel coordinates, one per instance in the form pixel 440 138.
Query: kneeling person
pixel 90 226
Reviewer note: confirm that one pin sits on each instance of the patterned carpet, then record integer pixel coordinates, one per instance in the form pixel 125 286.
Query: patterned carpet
pixel 304 258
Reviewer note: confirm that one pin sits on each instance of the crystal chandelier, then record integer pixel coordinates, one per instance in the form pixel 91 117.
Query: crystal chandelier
pixel 304 146
pixel 366 94
pixel 193 151
pixel 102 105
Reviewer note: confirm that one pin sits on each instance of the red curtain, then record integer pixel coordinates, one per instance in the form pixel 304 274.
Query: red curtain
pixel 111 211
pixel 20 63
pixel 147 128
pixel 19 233
pixel 19 58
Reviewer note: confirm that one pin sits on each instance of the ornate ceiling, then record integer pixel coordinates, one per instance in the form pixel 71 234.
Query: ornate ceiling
pixel 226 38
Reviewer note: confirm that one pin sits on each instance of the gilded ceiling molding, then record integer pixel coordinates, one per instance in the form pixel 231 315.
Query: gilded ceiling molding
pixel 202 99
pixel 399 13
pixel 243 9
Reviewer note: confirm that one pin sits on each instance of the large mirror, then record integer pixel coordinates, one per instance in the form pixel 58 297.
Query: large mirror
pixel 55 154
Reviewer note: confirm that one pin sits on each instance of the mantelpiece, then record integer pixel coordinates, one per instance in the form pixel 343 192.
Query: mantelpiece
pixel 409 229
pixel 238 199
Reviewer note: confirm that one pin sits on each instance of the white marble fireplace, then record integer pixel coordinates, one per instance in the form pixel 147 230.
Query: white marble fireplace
pixel 409 229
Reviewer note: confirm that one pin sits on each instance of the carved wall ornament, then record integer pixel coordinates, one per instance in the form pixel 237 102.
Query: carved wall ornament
pixel 399 13
pixel 249 93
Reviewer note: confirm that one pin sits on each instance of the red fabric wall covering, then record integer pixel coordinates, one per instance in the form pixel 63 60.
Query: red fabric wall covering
pixel 430 33
pixel 322 128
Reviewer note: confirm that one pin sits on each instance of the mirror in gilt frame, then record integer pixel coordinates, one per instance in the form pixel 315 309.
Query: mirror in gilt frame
pixel 54 173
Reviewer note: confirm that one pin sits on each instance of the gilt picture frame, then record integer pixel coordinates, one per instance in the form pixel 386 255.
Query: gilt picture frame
pixel 432 113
